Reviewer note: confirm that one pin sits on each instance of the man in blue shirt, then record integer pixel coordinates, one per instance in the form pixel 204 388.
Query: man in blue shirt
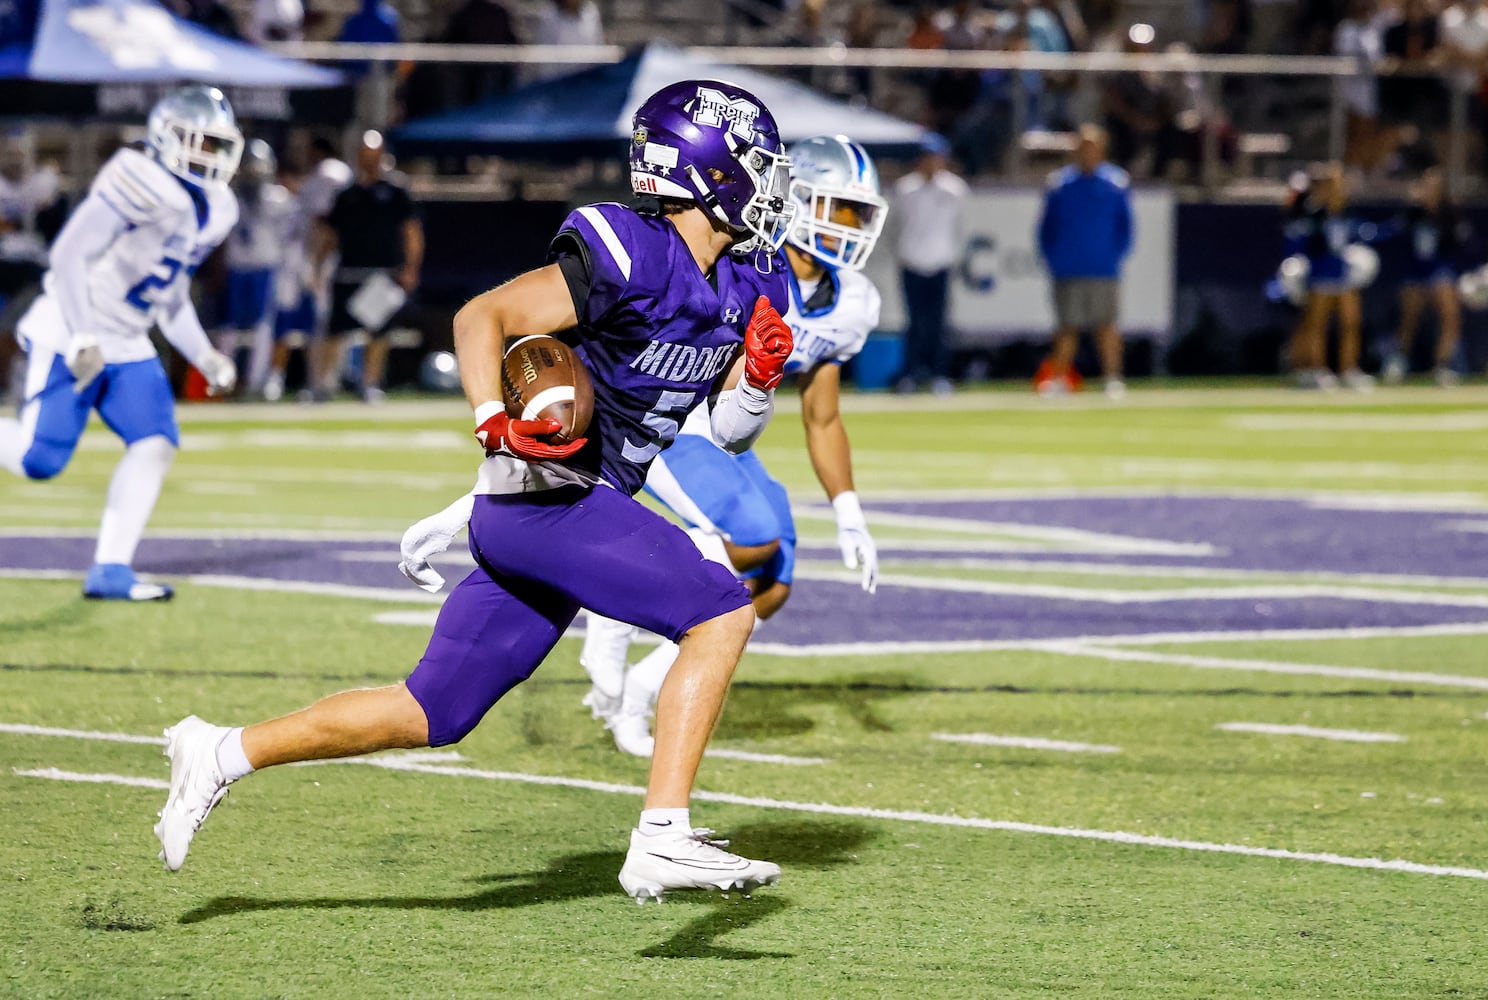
pixel 1084 234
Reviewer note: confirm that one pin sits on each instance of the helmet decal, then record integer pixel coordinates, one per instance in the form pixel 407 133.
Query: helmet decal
pixel 716 145
pixel 715 108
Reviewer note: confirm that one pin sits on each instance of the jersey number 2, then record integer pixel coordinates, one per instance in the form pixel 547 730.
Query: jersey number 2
pixel 663 420
pixel 141 296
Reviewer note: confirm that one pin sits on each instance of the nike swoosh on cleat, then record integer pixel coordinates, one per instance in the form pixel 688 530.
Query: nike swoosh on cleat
pixel 658 822
pixel 742 863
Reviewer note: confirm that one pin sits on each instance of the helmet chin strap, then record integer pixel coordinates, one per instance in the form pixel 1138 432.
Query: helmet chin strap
pixel 706 197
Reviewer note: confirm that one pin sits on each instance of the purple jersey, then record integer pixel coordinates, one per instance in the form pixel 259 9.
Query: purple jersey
pixel 654 331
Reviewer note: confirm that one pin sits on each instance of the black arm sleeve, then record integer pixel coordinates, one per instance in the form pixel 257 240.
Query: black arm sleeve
pixel 572 257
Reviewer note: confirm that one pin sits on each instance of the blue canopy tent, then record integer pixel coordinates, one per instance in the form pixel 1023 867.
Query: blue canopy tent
pixel 588 113
pixel 115 57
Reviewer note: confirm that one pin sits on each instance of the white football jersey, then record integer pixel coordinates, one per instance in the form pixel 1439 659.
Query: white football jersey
pixel 835 331
pixel 147 270
pixel 827 332
pixel 266 228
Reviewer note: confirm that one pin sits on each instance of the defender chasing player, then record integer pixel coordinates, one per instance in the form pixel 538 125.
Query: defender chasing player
pixel 657 301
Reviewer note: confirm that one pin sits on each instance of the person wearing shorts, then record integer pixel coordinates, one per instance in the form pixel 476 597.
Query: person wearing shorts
pixel 1084 235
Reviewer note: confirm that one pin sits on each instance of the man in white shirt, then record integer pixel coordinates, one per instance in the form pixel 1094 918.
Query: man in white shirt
pixel 566 22
pixel 1464 36
pixel 928 204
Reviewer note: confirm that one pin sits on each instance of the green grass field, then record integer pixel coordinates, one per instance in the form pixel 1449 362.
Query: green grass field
pixel 1130 847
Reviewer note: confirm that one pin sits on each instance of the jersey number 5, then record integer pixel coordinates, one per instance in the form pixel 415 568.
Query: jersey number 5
pixel 142 296
pixel 663 420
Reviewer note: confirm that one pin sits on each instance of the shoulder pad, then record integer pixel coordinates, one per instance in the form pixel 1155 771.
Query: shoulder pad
pixel 613 233
pixel 140 189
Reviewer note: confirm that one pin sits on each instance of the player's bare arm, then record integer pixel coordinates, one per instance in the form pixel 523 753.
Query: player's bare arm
pixel 533 303
pixel 826 437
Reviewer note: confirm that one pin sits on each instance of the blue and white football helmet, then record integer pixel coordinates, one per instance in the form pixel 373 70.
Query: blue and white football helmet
pixel 194 134
pixel 717 145
pixel 829 173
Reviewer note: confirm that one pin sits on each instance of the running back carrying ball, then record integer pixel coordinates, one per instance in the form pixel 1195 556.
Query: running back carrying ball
pixel 543 379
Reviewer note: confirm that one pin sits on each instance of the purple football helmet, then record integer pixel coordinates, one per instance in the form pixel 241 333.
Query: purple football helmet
pixel 715 144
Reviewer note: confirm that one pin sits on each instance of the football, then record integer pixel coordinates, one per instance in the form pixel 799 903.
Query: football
pixel 543 379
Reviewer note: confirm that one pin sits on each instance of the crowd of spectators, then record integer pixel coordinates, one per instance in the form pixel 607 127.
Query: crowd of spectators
pixel 1411 53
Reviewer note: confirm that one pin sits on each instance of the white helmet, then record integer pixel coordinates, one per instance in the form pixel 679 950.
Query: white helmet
pixel 827 174
pixel 1292 276
pixel 194 135
pixel 259 162
pixel 1363 265
pixel 1473 286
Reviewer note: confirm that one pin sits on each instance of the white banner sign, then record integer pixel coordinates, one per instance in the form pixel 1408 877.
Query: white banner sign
pixel 1001 290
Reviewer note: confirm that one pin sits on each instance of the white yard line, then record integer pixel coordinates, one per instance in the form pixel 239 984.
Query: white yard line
pixel 1344 735
pixel 22 729
pixel 1024 742
pixel 1093 651
pixel 1191 572
pixel 457 553
pixel 216 487
pixel 1469 527
pixel 40 574
pixel 1206 468
pixel 393 763
pixel 389 538
pixel 763 758
pixel 409 595
pixel 46 509
pixel 57 774
pixel 341 477
pixel 1093 541
pixel 1357 423
pixel 1092 595
pixel 1327 499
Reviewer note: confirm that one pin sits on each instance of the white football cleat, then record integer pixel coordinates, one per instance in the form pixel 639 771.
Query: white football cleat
pixel 1357 380
pixel 606 643
pixel 632 732
pixel 659 863
pixel 1446 376
pixel 601 705
pixel 1395 369
pixel 196 786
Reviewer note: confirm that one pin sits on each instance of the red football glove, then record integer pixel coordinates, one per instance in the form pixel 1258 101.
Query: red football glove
pixel 767 345
pixel 519 438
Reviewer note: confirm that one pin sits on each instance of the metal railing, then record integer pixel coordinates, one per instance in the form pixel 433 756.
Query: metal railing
pixel 1211 69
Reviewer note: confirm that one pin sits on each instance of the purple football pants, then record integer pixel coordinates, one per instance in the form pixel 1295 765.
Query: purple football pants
pixel 540 557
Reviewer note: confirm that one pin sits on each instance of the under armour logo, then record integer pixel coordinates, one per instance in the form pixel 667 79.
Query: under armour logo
pixel 732 314
pixel 713 107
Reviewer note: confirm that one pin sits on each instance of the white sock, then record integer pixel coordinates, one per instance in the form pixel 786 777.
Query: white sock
pixel 231 760
pixel 606 645
pixel 659 821
pixel 14 441
pixel 711 546
pixel 262 351
pixel 643 681
pixel 131 497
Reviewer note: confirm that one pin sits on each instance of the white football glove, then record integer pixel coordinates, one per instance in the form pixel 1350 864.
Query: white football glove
pixel 430 537
pixel 219 371
pixel 857 545
pixel 84 358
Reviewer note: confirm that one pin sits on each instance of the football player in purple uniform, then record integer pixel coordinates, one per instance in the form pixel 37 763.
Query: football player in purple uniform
pixel 657 301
